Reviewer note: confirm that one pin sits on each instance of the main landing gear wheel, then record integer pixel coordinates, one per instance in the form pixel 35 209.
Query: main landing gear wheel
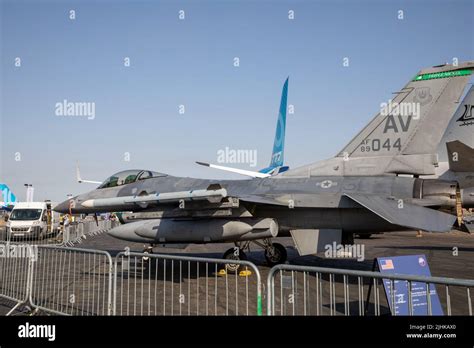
pixel 234 254
pixel 275 254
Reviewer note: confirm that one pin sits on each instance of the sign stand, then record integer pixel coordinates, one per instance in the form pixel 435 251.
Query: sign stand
pixel 375 268
pixel 421 300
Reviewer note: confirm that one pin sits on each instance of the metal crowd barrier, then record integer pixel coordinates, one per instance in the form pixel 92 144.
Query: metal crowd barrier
pixel 152 284
pixel 75 233
pixel 16 254
pixel 68 236
pixel 300 290
pixel 72 281
pixel 15 272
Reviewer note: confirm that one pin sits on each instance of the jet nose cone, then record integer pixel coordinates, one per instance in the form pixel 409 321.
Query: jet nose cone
pixel 62 208
pixel 68 206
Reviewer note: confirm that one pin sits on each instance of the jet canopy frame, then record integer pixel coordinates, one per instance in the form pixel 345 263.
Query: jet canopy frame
pixel 129 176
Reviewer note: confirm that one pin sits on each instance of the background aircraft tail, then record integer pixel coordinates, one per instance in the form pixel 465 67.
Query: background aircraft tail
pixel 8 198
pixel 277 159
pixel 414 122
pixel 276 162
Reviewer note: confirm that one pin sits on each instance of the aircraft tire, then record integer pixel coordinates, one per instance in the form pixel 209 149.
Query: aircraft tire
pixel 279 255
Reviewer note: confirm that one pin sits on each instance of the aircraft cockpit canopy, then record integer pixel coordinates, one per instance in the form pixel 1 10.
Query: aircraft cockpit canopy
pixel 128 177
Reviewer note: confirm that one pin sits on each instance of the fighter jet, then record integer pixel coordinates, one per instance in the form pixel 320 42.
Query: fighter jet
pixel 372 185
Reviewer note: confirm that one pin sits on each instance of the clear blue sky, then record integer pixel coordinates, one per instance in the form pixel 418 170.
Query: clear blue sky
pixel 190 62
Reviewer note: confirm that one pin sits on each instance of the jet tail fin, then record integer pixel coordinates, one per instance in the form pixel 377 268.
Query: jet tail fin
pixel 414 122
pixel 403 138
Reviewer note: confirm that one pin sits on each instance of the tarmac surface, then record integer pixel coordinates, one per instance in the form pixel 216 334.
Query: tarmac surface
pixel 449 255
pixel 439 249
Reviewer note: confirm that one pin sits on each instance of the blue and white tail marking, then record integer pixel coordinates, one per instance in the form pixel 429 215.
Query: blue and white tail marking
pixel 277 159
pixel 8 198
pixel 276 162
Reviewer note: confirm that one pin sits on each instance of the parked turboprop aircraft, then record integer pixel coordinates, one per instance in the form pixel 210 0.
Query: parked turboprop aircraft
pixel 361 190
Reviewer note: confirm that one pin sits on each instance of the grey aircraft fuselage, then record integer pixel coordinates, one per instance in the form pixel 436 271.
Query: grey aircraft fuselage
pixel 303 202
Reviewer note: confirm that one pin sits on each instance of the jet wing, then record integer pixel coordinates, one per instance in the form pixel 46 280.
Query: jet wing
pixel 411 215
pixel 236 170
pixel 80 180
pixel 299 200
pixel 262 200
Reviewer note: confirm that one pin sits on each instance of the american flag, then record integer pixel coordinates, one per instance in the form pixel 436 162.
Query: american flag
pixel 386 264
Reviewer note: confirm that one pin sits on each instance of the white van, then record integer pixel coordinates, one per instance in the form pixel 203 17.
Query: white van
pixel 32 220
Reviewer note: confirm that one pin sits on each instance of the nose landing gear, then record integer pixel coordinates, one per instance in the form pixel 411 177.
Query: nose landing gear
pixel 275 254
